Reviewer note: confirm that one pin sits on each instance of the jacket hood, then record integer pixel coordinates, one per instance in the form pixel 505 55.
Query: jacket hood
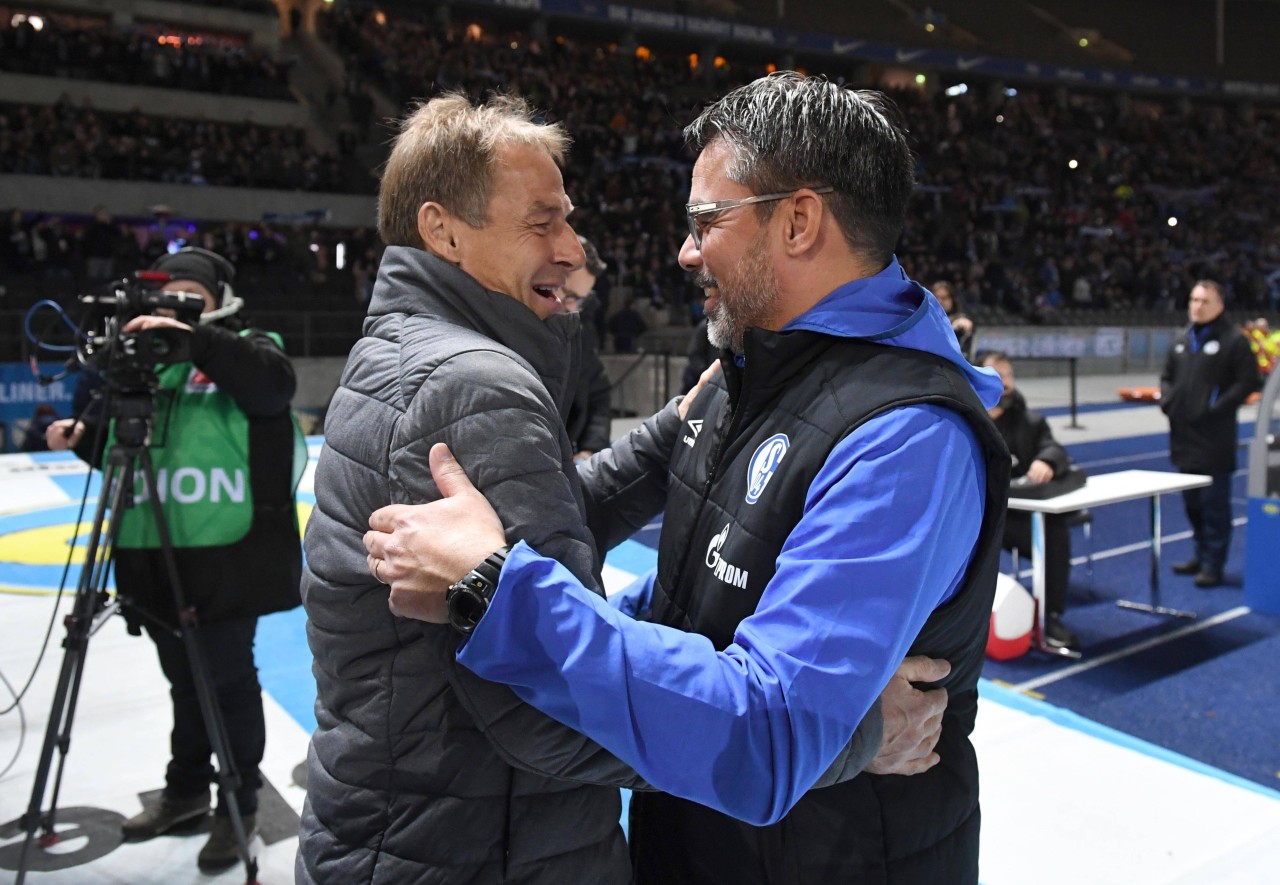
pixel 415 282
pixel 888 308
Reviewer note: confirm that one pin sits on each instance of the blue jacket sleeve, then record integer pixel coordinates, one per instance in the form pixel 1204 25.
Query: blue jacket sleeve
pixel 633 599
pixel 889 526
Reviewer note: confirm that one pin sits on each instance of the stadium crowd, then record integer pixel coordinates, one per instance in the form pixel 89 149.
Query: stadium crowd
pixel 283 265
pixel 141 55
pixel 1034 201
pixel 67 140
pixel 1037 203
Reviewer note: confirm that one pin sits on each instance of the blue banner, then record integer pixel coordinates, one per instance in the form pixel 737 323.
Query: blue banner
pixel 869 50
pixel 21 393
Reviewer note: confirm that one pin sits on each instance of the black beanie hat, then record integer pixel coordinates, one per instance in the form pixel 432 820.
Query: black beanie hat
pixel 190 264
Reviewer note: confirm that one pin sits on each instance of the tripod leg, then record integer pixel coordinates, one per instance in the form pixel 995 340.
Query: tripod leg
pixel 188 624
pixel 79 624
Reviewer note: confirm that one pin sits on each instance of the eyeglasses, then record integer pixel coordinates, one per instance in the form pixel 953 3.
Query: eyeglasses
pixel 694 210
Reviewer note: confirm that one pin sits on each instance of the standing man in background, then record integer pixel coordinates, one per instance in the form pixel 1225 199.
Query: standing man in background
pixel 1208 375
pixel 237 557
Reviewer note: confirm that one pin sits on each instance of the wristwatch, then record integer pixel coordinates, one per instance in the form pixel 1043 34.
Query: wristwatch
pixel 468 599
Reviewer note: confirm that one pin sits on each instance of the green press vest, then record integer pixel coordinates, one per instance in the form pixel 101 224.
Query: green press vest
pixel 200 453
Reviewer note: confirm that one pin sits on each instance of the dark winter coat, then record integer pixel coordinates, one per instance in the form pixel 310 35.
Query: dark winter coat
pixel 420 771
pixel 1209 373
pixel 1028 437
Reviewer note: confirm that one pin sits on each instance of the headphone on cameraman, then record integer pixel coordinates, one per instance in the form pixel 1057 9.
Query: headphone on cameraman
pixel 223 273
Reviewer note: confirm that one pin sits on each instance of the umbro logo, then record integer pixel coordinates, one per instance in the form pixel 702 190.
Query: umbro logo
pixel 695 427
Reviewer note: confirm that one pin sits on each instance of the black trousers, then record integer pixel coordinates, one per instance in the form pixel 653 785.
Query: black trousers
pixel 1057 553
pixel 1209 512
pixel 228 648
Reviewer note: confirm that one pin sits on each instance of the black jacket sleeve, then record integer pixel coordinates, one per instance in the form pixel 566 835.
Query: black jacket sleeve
pixel 251 368
pixel 1047 448
pixel 625 484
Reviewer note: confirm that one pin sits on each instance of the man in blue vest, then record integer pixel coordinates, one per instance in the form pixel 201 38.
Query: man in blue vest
pixel 227 458
pixel 837 503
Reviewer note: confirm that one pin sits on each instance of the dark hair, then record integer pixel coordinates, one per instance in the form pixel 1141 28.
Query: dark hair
pixel 788 131
pixel 595 264
pixel 1215 286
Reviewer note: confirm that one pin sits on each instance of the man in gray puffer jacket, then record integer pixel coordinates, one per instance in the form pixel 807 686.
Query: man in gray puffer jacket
pixel 418 770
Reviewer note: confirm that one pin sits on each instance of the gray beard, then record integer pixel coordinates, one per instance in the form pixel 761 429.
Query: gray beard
pixel 752 289
pixel 720 332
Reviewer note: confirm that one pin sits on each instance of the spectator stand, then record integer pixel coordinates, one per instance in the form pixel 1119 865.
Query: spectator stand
pixel 141 53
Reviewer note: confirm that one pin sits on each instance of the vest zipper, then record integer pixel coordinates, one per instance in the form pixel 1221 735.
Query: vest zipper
pixel 714 470
pixel 681 571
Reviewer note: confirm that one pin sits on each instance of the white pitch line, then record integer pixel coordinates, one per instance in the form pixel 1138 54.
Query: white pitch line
pixel 1075 669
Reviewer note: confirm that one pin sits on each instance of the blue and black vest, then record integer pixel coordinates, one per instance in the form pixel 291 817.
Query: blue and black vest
pixel 727 518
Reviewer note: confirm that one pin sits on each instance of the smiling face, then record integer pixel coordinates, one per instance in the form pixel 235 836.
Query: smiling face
pixel 734 264
pixel 527 248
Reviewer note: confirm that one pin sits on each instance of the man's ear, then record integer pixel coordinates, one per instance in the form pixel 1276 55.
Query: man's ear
pixel 803 227
pixel 438 229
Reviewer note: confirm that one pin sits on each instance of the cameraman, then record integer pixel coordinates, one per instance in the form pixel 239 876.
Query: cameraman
pixel 218 418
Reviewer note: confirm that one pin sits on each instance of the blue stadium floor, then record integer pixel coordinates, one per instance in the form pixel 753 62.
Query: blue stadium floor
pixel 1154 759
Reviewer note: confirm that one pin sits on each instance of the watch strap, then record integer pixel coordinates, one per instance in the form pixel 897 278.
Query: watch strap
pixel 468 599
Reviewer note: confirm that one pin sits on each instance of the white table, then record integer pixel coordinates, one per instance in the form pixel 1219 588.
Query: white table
pixel 1106 488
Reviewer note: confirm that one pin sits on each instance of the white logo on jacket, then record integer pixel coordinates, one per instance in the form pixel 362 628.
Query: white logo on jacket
pixel 695 427
pixel 721 568
pixel 764 463
pixel 1211 348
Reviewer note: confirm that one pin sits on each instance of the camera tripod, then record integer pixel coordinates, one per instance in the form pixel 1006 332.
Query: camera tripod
pixel 133 412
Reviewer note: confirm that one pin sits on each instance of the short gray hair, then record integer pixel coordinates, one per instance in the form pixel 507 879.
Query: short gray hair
pixel 788 131
pixel 447 151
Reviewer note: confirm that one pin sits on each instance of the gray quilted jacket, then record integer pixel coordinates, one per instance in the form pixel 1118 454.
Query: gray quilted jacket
pixel 419 771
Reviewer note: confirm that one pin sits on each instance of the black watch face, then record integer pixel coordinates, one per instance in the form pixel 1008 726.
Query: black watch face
pixel 466 607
